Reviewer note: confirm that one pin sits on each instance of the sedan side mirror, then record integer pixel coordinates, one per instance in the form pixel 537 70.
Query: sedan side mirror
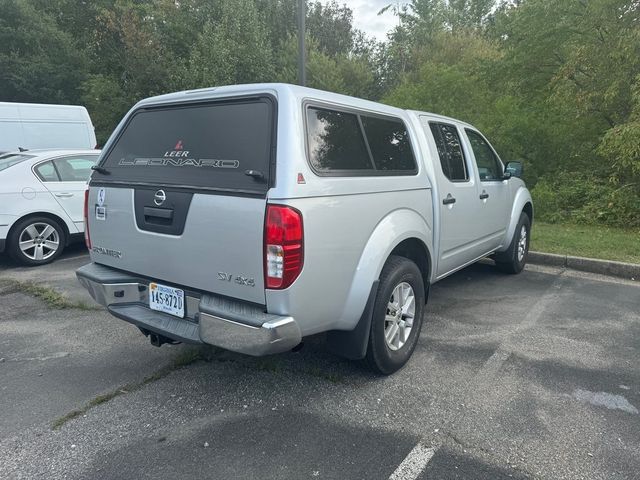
pixel 513 169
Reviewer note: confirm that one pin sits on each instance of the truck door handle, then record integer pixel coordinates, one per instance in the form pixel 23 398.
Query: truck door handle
pixel 484 196
pixel 64 194
pixel 449 200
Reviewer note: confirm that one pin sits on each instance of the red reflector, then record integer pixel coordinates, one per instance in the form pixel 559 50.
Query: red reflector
pixel 87 238
pixel 283 246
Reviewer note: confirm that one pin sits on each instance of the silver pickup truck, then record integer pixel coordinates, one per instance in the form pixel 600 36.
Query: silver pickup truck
pixel 251 216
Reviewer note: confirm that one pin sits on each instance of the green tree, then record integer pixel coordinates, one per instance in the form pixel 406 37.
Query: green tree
pixel 38 60
pixel 577 62
pixel 134 63
pixel 331 26
pixel 232 48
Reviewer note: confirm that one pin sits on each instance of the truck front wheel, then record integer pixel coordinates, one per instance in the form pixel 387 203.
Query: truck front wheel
pixel 397 316
pixel 514 258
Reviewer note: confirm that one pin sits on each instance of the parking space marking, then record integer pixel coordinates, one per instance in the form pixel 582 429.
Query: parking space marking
pixel 492 366
pixel 414 463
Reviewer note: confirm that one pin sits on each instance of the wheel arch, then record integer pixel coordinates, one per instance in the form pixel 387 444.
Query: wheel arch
pixel 402 232
pixel 415 250
pixel 522 202
pixel 52 216
pixel 528 209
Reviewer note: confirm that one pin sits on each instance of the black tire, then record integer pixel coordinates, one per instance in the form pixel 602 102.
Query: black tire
pixel 49 255
pixel 380 357
pixel 509 261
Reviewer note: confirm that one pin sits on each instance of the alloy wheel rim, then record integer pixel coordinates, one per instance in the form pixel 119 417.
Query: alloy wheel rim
pixel 39 241
pixel 522 243
pixel 398 320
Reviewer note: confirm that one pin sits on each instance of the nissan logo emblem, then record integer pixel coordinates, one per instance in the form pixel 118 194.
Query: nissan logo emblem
pixel 159 197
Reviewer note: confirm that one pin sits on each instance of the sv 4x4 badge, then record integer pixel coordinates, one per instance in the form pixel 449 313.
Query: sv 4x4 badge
pixel 239 279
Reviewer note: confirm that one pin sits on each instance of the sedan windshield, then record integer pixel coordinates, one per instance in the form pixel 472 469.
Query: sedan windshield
pixel 11 159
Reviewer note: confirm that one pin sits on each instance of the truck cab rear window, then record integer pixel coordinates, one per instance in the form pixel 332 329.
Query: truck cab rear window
pixel 352 144
pixel 210 146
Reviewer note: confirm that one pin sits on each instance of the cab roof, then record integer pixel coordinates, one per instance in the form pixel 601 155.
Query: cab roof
pixel 278 89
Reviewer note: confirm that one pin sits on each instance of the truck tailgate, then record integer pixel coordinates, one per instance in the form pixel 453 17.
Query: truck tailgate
pixel 219 249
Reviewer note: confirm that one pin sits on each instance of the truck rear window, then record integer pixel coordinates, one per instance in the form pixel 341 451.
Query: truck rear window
pixel 220 146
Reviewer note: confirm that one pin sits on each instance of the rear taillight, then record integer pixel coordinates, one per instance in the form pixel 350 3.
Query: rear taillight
pixel 283 246
pixel 87 238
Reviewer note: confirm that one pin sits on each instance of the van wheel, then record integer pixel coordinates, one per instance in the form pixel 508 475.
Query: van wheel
pixel 397 316
pixel 514 258
pixel 36 241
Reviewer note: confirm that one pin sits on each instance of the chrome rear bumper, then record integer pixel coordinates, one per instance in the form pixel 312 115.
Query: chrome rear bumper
pixel 228 324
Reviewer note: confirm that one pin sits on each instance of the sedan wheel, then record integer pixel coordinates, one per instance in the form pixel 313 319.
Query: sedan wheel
pixel 39 241
pixel 36 241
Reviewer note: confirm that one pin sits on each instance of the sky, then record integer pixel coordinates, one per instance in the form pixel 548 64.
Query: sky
pixel 366 18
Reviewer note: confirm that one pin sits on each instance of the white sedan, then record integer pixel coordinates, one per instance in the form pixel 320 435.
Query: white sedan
pixel 42 201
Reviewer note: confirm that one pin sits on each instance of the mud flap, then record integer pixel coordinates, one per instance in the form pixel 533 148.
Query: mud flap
pixel 352 344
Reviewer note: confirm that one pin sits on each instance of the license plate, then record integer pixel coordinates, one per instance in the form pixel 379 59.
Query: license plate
pixel 166 299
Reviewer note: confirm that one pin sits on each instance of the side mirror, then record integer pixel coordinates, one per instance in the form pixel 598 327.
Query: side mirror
pixel 513 169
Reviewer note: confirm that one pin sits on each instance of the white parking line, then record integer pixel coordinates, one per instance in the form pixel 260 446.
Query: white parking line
pixel 414 463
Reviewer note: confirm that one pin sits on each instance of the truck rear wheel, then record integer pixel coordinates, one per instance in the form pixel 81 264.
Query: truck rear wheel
pixel 397 316
pixel 514 258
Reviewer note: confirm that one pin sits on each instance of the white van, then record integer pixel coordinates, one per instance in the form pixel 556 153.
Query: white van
pixel 33 125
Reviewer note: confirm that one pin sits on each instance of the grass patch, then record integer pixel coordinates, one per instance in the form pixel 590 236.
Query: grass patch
pixel 187 357
pixel 104 398
pixel 59 422
pixel 587 241
pixel 184 358
pixel 48 295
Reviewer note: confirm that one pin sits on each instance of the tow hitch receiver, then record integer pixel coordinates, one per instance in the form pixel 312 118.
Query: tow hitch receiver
pixel 158 340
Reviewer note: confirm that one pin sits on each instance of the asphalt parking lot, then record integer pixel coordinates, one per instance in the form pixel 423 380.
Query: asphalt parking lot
pixel 528 376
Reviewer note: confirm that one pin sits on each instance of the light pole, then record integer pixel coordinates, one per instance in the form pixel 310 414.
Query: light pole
pixel 302 74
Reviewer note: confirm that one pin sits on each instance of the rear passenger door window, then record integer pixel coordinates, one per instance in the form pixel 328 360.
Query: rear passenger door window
pixel 345 143
pixel 489 167
pixel 449 147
